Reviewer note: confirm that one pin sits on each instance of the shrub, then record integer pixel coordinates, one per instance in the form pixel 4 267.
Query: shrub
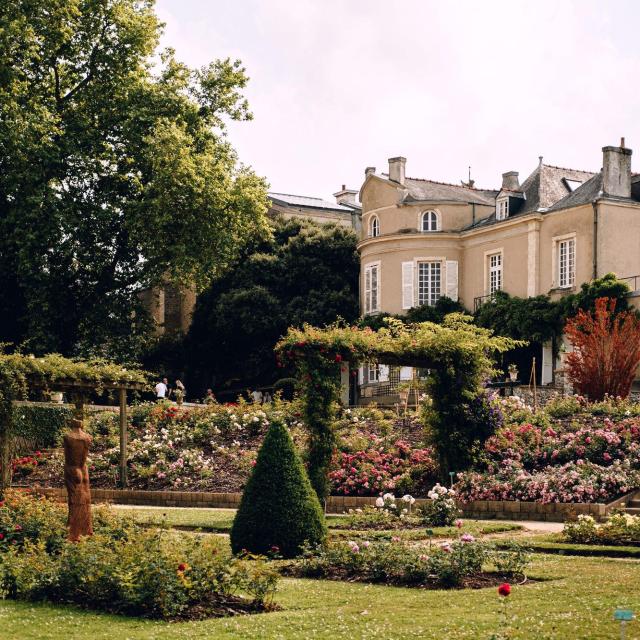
pixel 447 565
pixel 279 508
pixel 441 511
pixel 606 350
pixel 40 424
pixel 620 528
pixel 564 407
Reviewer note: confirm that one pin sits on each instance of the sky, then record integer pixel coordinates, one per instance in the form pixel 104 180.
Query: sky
pixel 340 85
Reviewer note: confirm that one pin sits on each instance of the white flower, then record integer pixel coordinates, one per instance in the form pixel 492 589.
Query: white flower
pixel 389 496
pixel 379 502
pixel 408 498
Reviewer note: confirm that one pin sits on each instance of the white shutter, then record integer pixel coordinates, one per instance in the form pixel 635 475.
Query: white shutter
pixel 360 375
pixel 547 363
pixel 383 373
pixel 367 290
pixel 406 373
pixel 407 285
pixel 452 279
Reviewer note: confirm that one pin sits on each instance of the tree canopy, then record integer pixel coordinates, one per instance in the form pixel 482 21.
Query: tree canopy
pixel 115 172
pixel 305 273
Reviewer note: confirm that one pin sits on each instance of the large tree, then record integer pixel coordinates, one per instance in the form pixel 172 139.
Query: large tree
pixel 306 272
pixel 115 172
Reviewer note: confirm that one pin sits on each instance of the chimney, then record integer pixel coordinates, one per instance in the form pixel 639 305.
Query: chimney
pixel 346 196
pixel 510 181
pixel 369 171
pixel 616 171
pixel 396 169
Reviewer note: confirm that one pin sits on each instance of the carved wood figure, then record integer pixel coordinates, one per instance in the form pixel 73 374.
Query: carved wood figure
pixel 76 479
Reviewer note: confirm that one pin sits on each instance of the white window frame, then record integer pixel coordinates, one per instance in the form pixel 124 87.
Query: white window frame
pixel 369 299
pixel 564 278
pixel 373 373
pixel 434 220
pixel 374 226
pixel 487 263
pixel 494 267
pixel 502 208
pixel 430 265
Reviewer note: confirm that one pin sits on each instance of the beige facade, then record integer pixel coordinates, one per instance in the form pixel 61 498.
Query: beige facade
pixel 560 228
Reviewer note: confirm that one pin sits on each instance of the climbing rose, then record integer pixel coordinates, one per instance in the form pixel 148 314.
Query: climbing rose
pixel 504 589
pixel 182 566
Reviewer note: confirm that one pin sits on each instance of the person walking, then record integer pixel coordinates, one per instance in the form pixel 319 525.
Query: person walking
pixel 210 398
pixel 161 389
pixel 180 392
pixel 266 398
pixel 257 396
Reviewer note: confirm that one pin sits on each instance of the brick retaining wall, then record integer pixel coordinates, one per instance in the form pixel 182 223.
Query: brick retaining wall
pixel 484 509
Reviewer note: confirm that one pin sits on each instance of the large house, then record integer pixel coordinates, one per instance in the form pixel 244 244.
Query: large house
pixel 423 239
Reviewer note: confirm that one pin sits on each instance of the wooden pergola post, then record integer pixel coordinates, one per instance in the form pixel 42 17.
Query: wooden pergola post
pixel 123 436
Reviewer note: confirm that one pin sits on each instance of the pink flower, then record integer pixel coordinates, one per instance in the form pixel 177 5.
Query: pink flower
pixel 459 523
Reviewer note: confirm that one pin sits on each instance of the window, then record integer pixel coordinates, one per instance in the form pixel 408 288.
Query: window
pixel 374 227
pixel 371 288
pixel 373 373
pixel 429 221
pixel 566 262
pixel 502 208
pixel 495 273
pixel 429 281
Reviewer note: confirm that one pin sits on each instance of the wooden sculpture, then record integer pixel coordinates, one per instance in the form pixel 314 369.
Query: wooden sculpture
pixel 76 479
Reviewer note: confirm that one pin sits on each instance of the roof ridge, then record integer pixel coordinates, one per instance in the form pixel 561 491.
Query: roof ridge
pixel 447 184
pixel 553 166
pixel 294 195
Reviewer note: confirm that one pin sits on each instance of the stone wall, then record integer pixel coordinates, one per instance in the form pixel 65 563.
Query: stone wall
pixel 482 509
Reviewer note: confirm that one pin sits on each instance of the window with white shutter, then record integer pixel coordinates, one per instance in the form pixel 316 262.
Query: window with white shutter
pixel 429 282
pixel 566 262
pixel 452 279
pixel 407 285
pixel 383 373
pixel 372 288
pixel 495 273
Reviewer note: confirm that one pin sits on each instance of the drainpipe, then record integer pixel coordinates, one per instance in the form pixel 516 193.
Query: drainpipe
pixel 594 204
pixel 473 213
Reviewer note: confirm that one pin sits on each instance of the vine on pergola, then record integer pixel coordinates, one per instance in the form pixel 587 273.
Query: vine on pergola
pixel 21 373
pixel 457 353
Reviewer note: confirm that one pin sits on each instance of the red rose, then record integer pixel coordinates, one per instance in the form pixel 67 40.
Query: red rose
pixel 182 567
pixel 338 357
pixel 1 503
pixel 504 589
pixel 18 527
pixel 1 536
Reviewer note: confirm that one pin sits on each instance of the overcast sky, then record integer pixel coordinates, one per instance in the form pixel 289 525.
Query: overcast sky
pixel 339 85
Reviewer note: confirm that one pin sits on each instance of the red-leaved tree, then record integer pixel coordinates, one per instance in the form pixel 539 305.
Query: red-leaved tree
pixel 606 350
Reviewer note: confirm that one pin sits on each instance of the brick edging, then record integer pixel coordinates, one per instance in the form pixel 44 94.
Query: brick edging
pixel 485 509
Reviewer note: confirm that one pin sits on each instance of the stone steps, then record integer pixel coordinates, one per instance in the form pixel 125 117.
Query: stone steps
pixel 633 505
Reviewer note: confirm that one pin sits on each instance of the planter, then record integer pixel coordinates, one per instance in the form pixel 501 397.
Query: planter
pixel 56 396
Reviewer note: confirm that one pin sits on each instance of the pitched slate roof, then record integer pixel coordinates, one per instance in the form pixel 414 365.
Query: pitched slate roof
pixel 419 190
pixel 546 186
pixel 287 199
pixel 585 193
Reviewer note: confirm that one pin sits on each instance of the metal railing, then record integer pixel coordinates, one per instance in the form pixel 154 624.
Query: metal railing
pixel 632 281
pixel 478 301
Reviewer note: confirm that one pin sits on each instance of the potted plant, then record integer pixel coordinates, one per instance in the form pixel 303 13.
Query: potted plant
pixel 513 372
pixel 56 396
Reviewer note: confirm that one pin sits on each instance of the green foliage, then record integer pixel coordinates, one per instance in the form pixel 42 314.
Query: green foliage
pixel 618 529
pixel 307 272
pixel 279 510
pixel 606 287
pixel 41 425
pixel 458 352
pixel 441 510
pixel 117 173
pixel 423 313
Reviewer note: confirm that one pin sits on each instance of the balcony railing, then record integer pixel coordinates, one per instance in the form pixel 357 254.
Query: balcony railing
pixel 632 281
pixel 478 301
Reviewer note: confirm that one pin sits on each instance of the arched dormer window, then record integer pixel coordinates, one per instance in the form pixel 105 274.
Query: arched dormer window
pixel 429 221
pixel 374 227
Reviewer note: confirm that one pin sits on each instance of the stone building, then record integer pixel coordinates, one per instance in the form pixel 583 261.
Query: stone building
pixel 171 307
pixel 423 239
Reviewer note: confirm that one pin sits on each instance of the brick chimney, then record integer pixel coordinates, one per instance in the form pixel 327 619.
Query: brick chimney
pixel 616 171
pixel 345 196
pixel 396 169
pixel 510 181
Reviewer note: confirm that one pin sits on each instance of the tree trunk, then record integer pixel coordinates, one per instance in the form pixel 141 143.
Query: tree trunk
pixel 5 460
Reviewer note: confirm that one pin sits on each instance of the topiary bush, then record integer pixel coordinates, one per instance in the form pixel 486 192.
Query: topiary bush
pixel 279 510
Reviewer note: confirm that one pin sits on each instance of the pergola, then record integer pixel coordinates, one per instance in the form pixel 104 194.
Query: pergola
pixel 20 374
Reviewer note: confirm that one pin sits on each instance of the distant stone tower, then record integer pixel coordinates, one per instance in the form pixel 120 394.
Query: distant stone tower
pixel 171 307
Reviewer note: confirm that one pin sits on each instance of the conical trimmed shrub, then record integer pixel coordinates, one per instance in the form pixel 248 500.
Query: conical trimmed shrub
pixel 279 508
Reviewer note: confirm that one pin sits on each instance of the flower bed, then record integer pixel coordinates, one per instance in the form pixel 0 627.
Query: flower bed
pixel 618 529
pixel 463 563
pixel 123 568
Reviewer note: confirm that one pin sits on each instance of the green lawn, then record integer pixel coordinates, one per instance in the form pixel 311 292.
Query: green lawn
pixel 555 543
pixel 576 600
pixel 220 520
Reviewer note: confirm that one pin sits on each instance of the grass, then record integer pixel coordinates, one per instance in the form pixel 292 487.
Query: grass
pixel 577 601
pixel 220 520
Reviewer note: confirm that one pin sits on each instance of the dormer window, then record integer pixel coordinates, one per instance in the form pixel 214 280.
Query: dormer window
pixel 374 227
pixel 502 209
pixel 429 221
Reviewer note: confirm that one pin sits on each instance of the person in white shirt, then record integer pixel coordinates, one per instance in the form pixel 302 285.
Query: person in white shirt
pixel 161 389
pixel 257 396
